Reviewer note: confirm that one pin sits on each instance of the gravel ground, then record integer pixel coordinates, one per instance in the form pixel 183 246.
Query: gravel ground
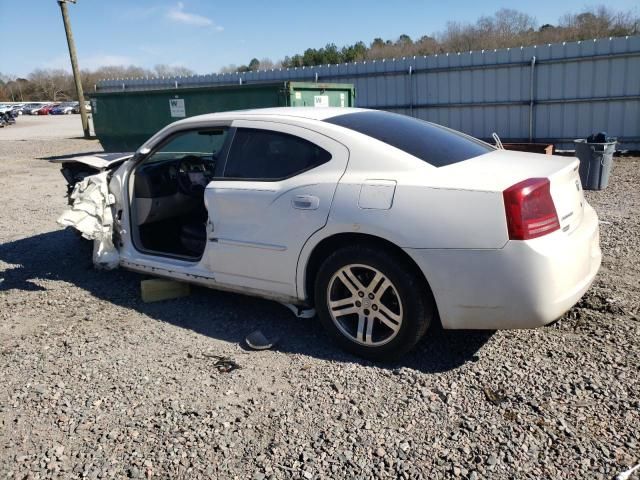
pixel 41 127
pixel 97 384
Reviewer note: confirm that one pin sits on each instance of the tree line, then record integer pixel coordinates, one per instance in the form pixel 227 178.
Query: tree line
pixel 58 84
pixel 506 28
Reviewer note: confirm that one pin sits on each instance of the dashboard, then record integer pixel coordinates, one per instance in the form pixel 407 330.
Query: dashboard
pixel 171 187
pixel 187 175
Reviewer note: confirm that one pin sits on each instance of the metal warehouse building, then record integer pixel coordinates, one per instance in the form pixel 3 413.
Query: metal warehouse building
pixel 551 93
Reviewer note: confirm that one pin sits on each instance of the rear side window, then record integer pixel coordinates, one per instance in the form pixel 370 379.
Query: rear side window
pixel 267 155
pixel 436 145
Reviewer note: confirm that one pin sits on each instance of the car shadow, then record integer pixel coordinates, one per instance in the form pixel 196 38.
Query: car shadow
pixel 62 256
pixel 82 137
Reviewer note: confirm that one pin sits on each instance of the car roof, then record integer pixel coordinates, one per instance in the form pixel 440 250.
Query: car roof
pixel 312 113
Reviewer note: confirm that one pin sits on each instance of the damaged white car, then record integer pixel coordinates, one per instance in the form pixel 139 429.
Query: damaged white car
pixel 382 223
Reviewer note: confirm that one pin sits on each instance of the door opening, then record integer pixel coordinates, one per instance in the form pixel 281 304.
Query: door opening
pixel 168 212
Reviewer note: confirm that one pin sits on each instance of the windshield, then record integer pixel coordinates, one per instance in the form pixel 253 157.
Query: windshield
pixel 205 144
pixel 431 143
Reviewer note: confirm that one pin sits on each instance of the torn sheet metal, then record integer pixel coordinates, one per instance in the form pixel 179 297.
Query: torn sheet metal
pixel 91 215
pixel 99 161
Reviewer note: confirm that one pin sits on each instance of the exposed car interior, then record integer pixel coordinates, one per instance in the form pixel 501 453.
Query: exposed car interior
pixel 168 211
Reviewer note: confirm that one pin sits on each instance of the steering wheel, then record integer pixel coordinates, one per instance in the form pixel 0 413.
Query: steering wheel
pixel 185 166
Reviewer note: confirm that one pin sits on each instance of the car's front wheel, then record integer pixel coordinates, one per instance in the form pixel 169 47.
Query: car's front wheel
pixel 372 303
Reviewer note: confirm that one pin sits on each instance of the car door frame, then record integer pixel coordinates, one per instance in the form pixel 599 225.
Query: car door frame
pixel 161 144
pixel 122 187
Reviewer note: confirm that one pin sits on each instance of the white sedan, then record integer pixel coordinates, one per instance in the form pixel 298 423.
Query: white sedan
pixel 383 223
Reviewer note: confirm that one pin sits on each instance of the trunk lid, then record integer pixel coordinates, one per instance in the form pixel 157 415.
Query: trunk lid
pixel 567 194
pixel 498 170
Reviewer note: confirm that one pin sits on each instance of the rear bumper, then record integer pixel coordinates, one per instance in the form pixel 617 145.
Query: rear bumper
pixel 526 284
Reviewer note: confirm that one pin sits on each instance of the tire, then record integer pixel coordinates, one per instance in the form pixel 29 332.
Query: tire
pixel 381 307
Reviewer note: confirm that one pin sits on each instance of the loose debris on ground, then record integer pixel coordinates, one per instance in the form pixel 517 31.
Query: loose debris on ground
pixel 256 340
pixel 98 384
pixel 224 364
pixel 494 397
pixel 626 475
pixel 162 289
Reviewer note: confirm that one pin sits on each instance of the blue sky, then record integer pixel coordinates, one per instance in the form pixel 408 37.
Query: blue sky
pixel 205 35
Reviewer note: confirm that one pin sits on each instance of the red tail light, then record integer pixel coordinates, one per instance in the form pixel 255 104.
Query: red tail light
pixel 530 210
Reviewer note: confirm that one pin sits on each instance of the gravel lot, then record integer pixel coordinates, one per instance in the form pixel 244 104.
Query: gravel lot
pixel 36 127
pixel 97 384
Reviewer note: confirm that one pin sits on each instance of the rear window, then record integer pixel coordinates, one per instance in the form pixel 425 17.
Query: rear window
pixel 436 145
pixel 269 155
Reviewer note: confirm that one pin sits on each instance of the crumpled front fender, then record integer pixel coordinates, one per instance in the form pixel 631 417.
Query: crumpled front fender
pixel 91 214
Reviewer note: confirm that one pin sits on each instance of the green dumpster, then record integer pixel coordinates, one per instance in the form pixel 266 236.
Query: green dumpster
pixel 125 120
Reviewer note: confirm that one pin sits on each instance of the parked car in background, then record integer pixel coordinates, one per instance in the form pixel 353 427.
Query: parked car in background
pixel 87 107
pixel 32 108
pixel 46 109
pixel 9 107
pixel 64 108
pixel 7 115
pixel 383 223
pixel 15 108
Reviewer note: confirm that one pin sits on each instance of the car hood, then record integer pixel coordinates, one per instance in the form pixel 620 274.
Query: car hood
pixel 99 161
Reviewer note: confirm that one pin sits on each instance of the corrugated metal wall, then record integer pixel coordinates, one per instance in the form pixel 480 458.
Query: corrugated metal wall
pixel 551 93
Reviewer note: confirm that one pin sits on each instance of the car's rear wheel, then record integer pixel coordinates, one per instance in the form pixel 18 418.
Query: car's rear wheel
pixel 372 303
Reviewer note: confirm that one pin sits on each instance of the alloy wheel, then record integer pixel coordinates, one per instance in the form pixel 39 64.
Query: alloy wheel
pixel 365 305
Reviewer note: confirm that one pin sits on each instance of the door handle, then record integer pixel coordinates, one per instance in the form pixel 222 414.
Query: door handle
pixel 305 202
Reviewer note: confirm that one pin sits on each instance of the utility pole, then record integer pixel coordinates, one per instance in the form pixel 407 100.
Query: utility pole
pixel 74 65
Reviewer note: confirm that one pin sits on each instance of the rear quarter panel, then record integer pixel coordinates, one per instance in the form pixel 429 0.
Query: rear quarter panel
pixel 422 216
pixel 425 217
pixel 431 207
